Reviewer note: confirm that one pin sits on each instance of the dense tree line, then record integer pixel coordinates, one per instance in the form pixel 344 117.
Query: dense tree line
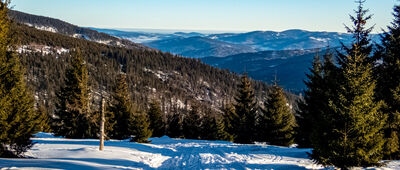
pixel 349 114
pixel 19 119
pixel 273 122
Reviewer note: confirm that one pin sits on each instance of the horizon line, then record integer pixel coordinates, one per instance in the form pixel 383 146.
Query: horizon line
pixel 206 31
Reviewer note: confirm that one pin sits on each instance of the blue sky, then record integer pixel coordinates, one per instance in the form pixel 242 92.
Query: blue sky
pixel 218 15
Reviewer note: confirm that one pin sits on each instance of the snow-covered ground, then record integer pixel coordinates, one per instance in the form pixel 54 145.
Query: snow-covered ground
pixel 165 153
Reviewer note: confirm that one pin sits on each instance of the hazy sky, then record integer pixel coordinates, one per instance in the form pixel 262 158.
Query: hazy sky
pixel 226 15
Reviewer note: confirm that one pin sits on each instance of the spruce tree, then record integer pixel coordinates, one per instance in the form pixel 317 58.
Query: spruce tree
pixel 221 132
pixel 309 107
pixel 388 85
pixel 213 128
pixel 314 109
pixel 157 124
pixel 43 119
pixel 122 110
pixel 72 117
pixel 352 135
pixel 174 125
pixel 18 118
pixel 277 122
pixel 191 123
pixel 246 110
pixel 231 121
pixel 140 126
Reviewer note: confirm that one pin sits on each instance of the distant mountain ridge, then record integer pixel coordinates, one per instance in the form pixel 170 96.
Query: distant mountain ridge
pixel 285 40
pixel 289 66
pixel 198 45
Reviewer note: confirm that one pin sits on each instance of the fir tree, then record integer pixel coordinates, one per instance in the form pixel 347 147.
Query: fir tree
pixel 18 119
pixel 140 126
pixel 43 119
pixel 314 109
pixel 157 124
pixel 388 85
pixel 122 110
pixel 246 110
pixel 353 129
pixel 309 107
pixel 72 117
pixel 191 124
pixel 174 125
pixel 221 133
pixel 277 121
pixel 213 128
pixel 231 121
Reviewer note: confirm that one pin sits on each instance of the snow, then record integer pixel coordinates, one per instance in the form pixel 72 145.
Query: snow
pixel 44 49
pixel 160 74
pixel 143 39
pixel 214 37
pixel 42 27
pixel 62 50
pixel 103 41
pixel 320 39
pixel 51 152
pixel 82 36
pixel 46 28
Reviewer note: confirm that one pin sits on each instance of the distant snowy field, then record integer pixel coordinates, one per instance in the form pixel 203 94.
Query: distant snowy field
pixel 51 152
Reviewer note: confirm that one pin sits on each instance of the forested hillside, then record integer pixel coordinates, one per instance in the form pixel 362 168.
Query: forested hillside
pixel 58 26
pixel 176 81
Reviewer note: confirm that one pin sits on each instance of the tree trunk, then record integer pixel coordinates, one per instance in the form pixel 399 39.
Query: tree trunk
pixel 102 121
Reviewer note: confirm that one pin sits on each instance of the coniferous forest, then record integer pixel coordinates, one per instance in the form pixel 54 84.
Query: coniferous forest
pixel 349 115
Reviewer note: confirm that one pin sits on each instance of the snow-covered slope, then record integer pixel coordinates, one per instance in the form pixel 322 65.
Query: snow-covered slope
pixel 164 153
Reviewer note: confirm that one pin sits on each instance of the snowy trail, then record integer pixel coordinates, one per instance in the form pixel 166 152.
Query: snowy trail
pixel 162 153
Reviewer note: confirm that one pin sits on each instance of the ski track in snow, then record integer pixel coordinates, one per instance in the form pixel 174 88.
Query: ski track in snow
pixel 162 153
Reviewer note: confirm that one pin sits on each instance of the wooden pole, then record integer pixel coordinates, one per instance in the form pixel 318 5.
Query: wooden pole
pixel 101 148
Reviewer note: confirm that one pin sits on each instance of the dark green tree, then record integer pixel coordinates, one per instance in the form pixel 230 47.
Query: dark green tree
pixel 174 125
pixel 18 118
pixel 313 109
pixel 231 121
pixel 140 126
pixel 157 124
pixel 221 133
pixel 213 128
pixel 43 119
pixel 122 109
pixel 388 85
pixel 191 123
pixel 277 122
pixel 309 106
pixel 246 110
pixel 353 130
pixel 72 116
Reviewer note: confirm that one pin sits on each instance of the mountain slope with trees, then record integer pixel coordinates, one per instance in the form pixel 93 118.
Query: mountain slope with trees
pixel 59 26
pixel 173 80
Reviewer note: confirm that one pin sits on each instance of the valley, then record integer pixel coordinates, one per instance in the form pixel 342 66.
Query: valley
pixel 261 54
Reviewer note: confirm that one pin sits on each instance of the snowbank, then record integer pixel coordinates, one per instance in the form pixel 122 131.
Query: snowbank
pixel 164 153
